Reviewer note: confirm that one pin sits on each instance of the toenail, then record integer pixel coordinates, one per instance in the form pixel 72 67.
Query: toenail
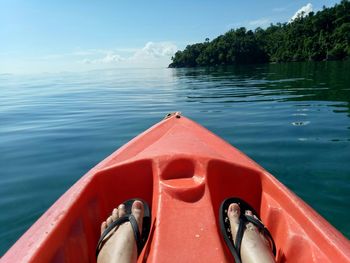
pixel 137 205
pixel 233 208
pixel 250 226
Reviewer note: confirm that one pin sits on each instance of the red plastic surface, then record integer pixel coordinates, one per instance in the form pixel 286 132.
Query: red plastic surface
pixel 184 172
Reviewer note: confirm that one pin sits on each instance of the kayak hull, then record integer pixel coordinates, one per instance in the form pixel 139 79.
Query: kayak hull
pixel 184 172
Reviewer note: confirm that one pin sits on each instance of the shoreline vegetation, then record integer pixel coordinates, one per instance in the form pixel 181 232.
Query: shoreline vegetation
pixel 312 37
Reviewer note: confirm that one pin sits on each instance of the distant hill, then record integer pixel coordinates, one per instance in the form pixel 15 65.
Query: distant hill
pixel 314 37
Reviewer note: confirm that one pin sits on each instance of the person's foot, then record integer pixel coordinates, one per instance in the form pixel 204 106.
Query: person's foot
pixel 120 244
pixel 255 247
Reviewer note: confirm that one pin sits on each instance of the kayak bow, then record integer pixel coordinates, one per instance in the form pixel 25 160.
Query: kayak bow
pixel 184 172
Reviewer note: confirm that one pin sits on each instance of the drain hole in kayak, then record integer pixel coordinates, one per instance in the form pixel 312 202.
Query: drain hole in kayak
pixel 178 169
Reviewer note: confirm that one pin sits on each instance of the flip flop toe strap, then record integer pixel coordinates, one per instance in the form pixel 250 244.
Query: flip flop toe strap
pixel 137 235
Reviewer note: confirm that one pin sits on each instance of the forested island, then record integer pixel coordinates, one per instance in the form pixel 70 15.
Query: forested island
pixel 324 35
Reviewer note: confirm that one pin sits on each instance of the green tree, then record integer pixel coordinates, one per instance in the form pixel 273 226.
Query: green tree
pixel 324 35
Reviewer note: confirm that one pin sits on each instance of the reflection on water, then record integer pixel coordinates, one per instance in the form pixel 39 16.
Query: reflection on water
pixel 293 119
pixel 287 82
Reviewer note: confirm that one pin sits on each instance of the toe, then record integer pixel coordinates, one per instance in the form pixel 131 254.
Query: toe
pixel 115 214
pixel 234 213
pixel 250 226
pixel 109 220
pixel 121 210
pixel 249 213
pixel 138 210
pixel 103 226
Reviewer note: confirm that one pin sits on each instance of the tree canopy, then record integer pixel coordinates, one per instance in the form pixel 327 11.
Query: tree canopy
pixel 314 37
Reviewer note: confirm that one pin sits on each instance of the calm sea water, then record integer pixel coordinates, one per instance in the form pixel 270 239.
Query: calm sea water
pixel 293 119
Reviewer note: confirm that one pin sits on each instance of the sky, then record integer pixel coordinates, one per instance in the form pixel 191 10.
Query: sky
pixel 60 36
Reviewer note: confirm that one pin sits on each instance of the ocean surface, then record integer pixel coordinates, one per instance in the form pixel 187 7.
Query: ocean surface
pixel 293 119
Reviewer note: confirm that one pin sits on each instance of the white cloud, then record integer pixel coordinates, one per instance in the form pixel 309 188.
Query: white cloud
pixel 303 11
pixel 111 57
pixel 153 50
pixel 262 22
pixel 153 54
pixel 150 51
pixel 84 52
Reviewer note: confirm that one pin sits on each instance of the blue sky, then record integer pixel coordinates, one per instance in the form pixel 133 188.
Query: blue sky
pixel 55 36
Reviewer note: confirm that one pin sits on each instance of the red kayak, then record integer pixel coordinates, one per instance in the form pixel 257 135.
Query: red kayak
pixel 183 172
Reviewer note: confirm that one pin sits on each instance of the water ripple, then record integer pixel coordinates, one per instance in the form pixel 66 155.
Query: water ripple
pixel 292 119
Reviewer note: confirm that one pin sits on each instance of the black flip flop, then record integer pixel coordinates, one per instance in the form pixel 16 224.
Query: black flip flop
pixel 146 225
pixel 235 246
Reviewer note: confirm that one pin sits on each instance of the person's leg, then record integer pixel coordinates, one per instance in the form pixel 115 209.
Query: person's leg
pixel 255 247
pixel 120 245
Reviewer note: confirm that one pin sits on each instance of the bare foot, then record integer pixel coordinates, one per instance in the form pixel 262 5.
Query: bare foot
pixel 255 247
pixel 120 244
